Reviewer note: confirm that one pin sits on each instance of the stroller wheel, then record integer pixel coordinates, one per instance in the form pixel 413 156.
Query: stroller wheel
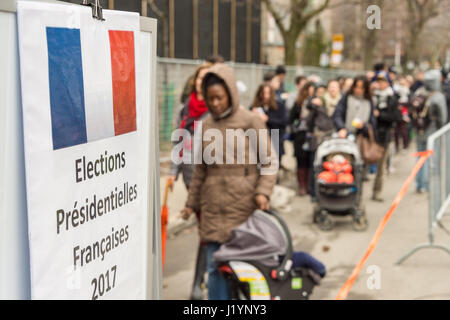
pixel 324 221
pixel 360 222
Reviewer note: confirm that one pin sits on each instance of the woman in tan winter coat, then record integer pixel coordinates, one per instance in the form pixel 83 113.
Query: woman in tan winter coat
pixel 232 180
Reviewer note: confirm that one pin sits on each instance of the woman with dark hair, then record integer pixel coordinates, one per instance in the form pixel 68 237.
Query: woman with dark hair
pixel 320 126
pixel 194 109
pixel 272 112
pixel 228 192
pixel 299 128
pixel 354 111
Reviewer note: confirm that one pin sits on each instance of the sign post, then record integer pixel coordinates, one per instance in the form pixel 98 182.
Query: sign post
pixel 336 50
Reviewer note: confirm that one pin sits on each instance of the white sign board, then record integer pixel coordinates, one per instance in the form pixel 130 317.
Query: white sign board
pixel 86 134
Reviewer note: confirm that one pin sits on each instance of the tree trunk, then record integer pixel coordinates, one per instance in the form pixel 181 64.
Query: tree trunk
pixel 412 49
pixel 369 48
pixel 290 54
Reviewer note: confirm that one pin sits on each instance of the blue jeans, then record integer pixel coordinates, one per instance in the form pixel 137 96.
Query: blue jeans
pixel 422 177
pixel 217 285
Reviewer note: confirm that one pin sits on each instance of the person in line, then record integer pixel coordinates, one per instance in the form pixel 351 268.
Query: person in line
pixel 387 116
pixel 431 116
pixel 320 126
pixel 186 92
pixel 272 113
pixel 299 83
pixel 299 128
pixel 348 83
pixel 194 109
pixel 354 112
pixel 401 130
pixel 273 81
pixel 227 194
pixel 378 68
pixel 418 83
pixel 446 89
pixel 332 96
pixel 280 73
pixel 321 89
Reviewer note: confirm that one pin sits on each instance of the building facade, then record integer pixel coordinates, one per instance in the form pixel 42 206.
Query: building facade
pixel 195 29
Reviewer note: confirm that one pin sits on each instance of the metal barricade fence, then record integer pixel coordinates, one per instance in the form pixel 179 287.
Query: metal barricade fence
pixel 439 183
pixel 172 75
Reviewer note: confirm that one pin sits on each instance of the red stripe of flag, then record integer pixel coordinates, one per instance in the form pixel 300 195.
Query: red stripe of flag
pixel 123 80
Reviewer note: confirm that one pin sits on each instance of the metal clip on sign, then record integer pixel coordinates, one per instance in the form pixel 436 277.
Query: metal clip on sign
pixel 97 10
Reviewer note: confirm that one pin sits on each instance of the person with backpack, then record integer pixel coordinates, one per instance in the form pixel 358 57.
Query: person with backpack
pixel 387 115
pixel 194 109
pixel 429 114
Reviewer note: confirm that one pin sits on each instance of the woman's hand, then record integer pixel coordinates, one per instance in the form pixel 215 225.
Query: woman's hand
pixel 264 117
pixel 317 102
pixel 376 113
pixel 342 133
pixel 261 114
pixel 262 202
pixel 186 213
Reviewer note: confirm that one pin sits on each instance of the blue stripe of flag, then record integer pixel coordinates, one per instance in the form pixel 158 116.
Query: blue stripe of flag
pixel 66 87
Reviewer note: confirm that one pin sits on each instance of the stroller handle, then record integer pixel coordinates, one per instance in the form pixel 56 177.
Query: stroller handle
pixel 281 271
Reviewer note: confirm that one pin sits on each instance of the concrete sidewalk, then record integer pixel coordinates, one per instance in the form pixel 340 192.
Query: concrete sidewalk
pixel 424 276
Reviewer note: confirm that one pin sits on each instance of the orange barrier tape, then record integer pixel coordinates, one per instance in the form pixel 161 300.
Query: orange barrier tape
pixel 342 295
pixel 164 221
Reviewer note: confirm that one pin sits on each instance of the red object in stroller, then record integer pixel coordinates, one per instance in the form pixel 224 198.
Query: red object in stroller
pixel 343 198
pixel 250 262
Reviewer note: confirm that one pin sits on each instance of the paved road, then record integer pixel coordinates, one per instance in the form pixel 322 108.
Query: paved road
pixel 424 276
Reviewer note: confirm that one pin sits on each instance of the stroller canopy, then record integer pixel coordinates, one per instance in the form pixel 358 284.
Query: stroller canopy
pixel 261 238
pixel 336 145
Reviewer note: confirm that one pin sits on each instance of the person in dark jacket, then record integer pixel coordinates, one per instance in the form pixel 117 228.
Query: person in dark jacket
pixel 354 112
pixel 434 118
pixel 320 126
pixel 272 112
pixel 299 128
pixel 227 193
pixel 280 72
pixel 387 116
pixel 418 83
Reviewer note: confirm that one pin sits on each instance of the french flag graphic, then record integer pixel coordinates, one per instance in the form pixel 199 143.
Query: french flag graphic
pixel 91 97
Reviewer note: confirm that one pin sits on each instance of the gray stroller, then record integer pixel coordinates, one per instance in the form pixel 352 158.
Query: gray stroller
pixel 339 199
pixel 258 264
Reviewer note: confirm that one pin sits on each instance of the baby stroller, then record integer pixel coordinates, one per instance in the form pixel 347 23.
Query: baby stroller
pixel 250 261
pixel 339 199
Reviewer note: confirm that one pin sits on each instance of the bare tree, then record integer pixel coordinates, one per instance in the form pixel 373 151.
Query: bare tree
pixel 419 13
pixel 435 39
pixel 369 37
pixel 301 13
pixel 163 15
